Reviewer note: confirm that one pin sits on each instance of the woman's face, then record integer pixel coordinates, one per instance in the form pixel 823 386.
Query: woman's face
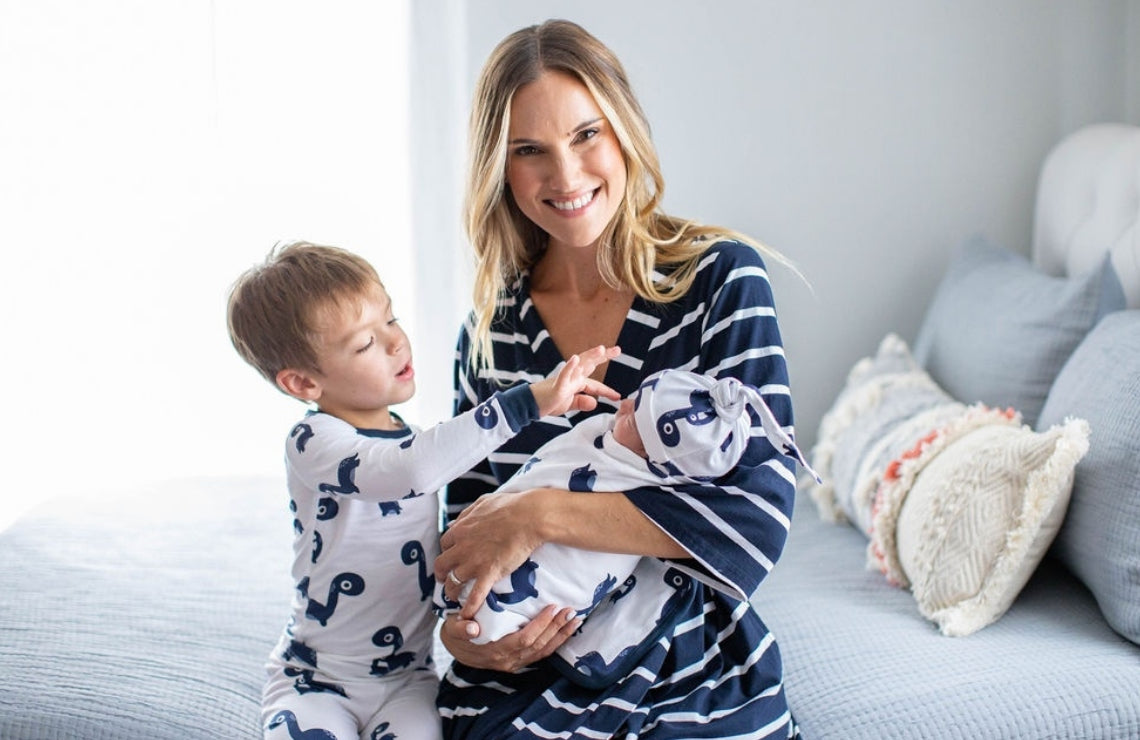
pixel 564 164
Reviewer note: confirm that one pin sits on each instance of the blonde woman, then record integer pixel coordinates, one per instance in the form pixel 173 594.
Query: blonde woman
pixel 572 251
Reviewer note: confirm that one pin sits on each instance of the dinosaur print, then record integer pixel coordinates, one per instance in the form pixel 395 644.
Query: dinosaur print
pixel 318 545
pixel 623 589
pixel 699 413
pixel 346 584
pixel 389 507
pixel 297 526
pixel 486 416
pixel 522 583
pixel 301 435
pixel 413 554
pixel 306 685
pixel 345 474
pixel 600 592
pixel 382 728
pixel 393 638
pixel 287 718
pixel 300 651
pixel 327 508
pixel 582 479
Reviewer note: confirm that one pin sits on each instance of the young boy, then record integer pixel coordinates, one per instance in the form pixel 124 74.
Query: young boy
pixel 679 427
pixel 355 658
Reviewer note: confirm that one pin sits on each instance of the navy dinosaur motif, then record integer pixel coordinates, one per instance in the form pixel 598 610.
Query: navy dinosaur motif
pixel 522 585
pixel 592 664
pixel 318 545
pixel 624 589
pixel 598 441
pixel 486 416
pixel 345 474
pixel 301 435
pixel 306 685
pixel 699 413
pixel 530 463
pixel 582 479
pixel 600 591
pixel 659 471
pixel 300 651
pixel 382 728
pixel 651 383
pixel 407 442
pixel 285 717
pixel 303 587
pixel 347 584
pixel 412 494
pixel 393 638
pixel 327 508
pixel 413 553
pixel 389 507
pixel 297 526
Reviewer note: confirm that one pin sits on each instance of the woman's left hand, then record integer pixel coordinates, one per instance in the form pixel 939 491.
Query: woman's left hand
pixel 487 542
pixel 536 640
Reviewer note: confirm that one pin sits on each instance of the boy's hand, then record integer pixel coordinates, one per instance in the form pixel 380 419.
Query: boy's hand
pixel 572 389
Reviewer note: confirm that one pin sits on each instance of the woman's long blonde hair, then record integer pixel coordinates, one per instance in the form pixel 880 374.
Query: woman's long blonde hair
pixel 507 243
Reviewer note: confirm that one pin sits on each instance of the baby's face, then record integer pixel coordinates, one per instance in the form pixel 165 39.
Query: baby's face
pixel 625 428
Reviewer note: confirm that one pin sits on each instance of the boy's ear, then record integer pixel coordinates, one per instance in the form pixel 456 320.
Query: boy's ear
pixel 299 384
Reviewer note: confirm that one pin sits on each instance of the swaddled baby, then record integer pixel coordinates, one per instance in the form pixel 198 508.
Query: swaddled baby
pixel 678 427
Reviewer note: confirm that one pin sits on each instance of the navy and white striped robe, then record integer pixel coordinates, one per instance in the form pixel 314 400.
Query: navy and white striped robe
pixel 717 672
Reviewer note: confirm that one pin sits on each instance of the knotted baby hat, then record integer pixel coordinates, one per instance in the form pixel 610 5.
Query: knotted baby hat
pixel 698 426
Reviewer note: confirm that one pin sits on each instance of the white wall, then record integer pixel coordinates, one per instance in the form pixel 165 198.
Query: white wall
pixel 150 152
pixel 863 140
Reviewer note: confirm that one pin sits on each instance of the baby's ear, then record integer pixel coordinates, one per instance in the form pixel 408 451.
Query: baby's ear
pixel 299 384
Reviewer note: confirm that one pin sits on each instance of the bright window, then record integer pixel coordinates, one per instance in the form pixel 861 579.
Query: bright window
pixel 150 152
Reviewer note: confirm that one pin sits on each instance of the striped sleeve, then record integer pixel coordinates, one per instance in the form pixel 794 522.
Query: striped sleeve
pixel 736 528
pixel 480 479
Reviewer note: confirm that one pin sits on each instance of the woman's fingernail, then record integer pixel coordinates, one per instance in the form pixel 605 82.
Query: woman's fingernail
pixel 472 629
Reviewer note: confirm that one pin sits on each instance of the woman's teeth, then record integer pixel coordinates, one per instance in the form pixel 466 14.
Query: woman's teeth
pixel 572 205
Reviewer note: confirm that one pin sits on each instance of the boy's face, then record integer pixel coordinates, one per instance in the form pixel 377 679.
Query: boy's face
pixel 365 361
pixel 625 428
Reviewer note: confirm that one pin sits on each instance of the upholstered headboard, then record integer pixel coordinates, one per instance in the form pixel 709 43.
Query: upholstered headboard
pixel 1088 203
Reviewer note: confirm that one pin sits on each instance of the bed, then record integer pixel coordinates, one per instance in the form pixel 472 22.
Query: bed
pixel 149 613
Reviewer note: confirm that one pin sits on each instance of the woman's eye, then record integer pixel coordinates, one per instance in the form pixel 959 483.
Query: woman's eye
pixel 586 134
pixel 371 341
pixel 526 151
pixel 393 320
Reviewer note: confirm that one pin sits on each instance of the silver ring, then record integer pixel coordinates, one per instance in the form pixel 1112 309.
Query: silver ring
pixel 451 577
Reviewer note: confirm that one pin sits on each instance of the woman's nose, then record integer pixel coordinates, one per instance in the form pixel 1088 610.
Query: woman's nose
pixel 565 171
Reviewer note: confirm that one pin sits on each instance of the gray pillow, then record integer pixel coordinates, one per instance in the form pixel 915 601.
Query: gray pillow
pixel 999 330
pixel 1100 538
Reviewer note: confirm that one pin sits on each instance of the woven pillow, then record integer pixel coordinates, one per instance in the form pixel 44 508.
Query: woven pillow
pixel 965 517
pixel 887 404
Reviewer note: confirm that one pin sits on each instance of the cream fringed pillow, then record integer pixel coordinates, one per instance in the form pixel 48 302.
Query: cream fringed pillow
pixel 966 516
pixel 887 403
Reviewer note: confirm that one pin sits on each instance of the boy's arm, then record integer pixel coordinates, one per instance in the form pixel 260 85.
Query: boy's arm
pixel 338 459
pixel 384 469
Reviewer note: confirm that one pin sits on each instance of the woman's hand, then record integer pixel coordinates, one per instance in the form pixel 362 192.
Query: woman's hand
pixel 487 542
pixel 538 639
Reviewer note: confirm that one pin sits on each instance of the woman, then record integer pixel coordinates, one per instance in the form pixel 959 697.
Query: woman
pixel 562 210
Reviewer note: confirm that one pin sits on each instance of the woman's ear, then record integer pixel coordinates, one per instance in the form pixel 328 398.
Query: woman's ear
pixel 299 384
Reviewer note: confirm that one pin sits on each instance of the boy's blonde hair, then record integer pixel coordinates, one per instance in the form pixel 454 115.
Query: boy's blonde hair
pixel 273 306
pixel 507 243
